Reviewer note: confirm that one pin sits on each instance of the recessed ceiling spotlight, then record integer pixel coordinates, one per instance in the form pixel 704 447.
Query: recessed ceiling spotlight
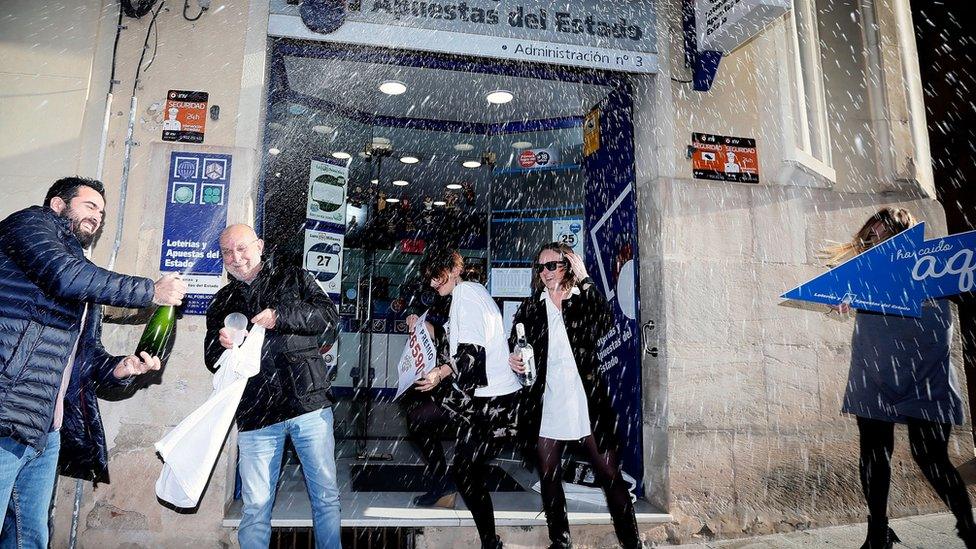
pixel 521 145
pixel 341 155
pixel 274 151
pixel 454 186
pixel 322 129
pixel 440 203
pixel 393 87
pixel 471 164
pixel 401 182
pixel 374 181
pixel 464 147
pixel 393 200
pixel 499 97
pixel 409 159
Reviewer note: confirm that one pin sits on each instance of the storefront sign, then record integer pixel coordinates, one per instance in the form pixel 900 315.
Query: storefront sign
pixel 418 359
pixel 327 179
pixel 570 233
pixel 591 132
pixel 195 215
pixel 723 158
pixel 185 116
pixel 531 159
pixel 602 34
pixel 724 25
pixel 897 275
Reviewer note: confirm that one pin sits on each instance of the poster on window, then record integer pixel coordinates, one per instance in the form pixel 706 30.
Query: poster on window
pixel 327 181
pixel 185 116
pixel 570 233
pixel 323 258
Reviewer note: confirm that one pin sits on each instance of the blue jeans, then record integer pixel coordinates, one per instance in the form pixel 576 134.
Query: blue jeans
pixel 26 484
pixel 260 463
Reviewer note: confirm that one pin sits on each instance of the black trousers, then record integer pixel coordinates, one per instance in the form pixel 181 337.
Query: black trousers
pixel 429 423
pixel 607 473
pixel 929 443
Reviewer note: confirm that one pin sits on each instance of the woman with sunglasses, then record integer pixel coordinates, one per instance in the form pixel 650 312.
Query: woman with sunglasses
pixel 483 393
pixel 901 372
pixel 570 403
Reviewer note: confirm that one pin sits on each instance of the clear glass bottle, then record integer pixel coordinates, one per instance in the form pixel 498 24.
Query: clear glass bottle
pixel 523 348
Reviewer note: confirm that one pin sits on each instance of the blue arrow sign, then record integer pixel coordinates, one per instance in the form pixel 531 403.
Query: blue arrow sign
pixel 896 276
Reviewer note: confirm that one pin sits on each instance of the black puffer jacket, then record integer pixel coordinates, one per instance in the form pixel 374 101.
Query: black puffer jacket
pixel 294 377
pixel 588 319
pixel 45 281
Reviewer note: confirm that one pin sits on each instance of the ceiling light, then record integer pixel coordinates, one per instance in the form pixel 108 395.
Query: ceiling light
pixel 274 151
pixel 401 183
pixel 454 186
pixel 499 97
pixel 521 145
pixel 409 159
pixel 341 155
pixel 440 203
pixel 464 147
pixel 374 181
pixel 393 200
pixel 471 164
pixel 323 129
pixel 393 87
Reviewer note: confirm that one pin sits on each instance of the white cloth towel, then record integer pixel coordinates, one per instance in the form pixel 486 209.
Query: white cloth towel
pixel 190 450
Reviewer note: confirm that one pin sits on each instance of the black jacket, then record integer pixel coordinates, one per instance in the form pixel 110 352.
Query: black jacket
pixel 45 281
pixel 588 318
pixel 294 378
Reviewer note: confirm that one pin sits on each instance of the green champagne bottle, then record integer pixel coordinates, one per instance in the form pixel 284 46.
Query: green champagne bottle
pixel 158 331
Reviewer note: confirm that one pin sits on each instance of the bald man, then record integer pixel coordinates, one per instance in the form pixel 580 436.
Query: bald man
pixel 290 396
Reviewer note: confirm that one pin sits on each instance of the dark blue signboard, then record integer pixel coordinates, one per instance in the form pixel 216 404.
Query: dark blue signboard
pixel 896 276
pixel 610 224
pixel 196 213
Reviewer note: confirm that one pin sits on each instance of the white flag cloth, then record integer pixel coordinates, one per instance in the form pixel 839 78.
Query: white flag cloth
pixel 190 450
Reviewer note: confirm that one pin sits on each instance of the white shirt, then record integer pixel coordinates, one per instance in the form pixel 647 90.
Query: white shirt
pixel 564 412
pixel 474 319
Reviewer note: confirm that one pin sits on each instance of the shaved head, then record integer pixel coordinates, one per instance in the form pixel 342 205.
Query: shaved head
pixel 241 250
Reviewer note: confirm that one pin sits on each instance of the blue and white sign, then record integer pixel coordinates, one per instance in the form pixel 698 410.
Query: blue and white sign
pixel 323 257
pixel 195 215
pixel 896 276
pixel 570 233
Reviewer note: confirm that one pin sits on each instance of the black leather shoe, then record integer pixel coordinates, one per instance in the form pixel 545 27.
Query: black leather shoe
pixel 880 536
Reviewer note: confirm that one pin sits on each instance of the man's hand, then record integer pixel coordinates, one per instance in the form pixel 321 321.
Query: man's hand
pixel 169 290
pixel 133 365
pixel 227 337
pixel 266 319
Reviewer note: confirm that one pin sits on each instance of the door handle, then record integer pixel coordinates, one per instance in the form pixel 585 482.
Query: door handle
pixel 646 328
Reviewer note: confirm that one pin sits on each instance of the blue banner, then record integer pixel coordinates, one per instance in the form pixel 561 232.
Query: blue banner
pixel 610 219
pixel 896 276
pixel 196 213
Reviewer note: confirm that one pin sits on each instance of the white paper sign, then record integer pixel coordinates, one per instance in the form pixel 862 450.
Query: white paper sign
pixel 419 357
pixel 511 282
pixel 327 191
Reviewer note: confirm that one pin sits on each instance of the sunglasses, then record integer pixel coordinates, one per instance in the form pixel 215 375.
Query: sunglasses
pixel 550 265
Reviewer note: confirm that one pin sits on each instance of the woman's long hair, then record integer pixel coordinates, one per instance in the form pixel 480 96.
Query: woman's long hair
pixel 891 220
pixel 569 277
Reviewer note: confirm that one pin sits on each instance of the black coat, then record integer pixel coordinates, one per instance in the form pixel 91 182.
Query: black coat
pixel 45 281
pixel 294 377
pixel 588 318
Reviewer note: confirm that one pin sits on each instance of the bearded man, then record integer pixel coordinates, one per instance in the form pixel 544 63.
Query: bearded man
pixel 51 356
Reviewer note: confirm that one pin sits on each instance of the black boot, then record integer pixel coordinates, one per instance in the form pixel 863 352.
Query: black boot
pixel 495 543
pixel 967 533
pixel 880 536
pixel 560 540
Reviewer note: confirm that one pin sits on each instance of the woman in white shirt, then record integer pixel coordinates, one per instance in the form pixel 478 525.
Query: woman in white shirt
pixel 570 403
pixel 484 390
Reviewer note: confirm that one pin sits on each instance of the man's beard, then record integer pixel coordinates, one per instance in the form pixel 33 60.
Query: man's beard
pixel 86 239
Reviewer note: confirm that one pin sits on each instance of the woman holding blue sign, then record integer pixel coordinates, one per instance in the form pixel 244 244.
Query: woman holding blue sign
pixel 901 372
pixel 569 403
